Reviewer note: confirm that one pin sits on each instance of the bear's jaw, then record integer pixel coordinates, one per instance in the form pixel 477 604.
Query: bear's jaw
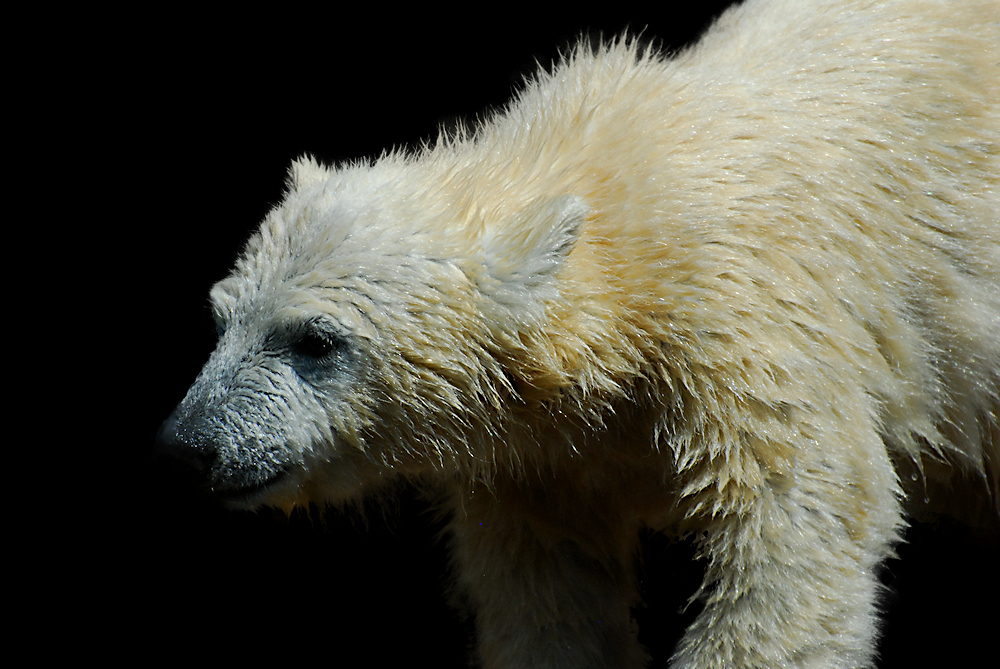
pixel 251 497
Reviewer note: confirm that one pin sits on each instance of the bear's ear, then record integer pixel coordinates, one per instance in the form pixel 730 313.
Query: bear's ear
pixel 305 171
pixel 523 255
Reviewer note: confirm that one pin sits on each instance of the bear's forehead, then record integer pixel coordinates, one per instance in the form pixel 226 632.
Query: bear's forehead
pixel 264 310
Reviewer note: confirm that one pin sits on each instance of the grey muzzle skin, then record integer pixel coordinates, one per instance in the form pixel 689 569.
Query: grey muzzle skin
pixel 257 409
pixel 194 451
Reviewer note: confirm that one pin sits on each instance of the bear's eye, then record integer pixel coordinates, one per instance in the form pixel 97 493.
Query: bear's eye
pixel 314 345
pixel 317 343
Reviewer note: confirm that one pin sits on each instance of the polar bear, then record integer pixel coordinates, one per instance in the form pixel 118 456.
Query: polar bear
pixel 742 293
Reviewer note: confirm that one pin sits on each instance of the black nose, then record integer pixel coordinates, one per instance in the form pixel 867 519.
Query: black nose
pixel 182 454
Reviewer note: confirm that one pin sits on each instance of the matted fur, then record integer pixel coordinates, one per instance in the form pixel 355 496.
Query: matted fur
pixel 734 293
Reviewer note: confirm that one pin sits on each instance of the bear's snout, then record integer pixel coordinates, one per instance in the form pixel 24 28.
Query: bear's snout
pixel 181 455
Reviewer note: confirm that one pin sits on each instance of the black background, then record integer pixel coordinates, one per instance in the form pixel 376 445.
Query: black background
pixel 195 119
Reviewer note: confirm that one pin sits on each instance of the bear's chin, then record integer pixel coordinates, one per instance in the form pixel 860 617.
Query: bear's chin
pixel 278 491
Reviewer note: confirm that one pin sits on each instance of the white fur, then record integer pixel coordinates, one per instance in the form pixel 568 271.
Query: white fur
pixel 733 294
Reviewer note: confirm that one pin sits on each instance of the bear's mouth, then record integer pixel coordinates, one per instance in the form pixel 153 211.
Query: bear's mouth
pixel 251 495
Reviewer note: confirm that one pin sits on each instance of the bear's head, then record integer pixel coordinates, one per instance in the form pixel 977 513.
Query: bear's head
pixel 372 327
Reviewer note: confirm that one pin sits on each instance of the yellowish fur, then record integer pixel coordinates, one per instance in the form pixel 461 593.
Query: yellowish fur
pixel 731 293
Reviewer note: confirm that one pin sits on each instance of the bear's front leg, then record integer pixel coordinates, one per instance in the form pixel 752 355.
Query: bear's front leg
pixel 550 579
pixel 791 580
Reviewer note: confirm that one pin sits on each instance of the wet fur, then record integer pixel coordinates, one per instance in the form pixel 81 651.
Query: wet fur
pixel 738 293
